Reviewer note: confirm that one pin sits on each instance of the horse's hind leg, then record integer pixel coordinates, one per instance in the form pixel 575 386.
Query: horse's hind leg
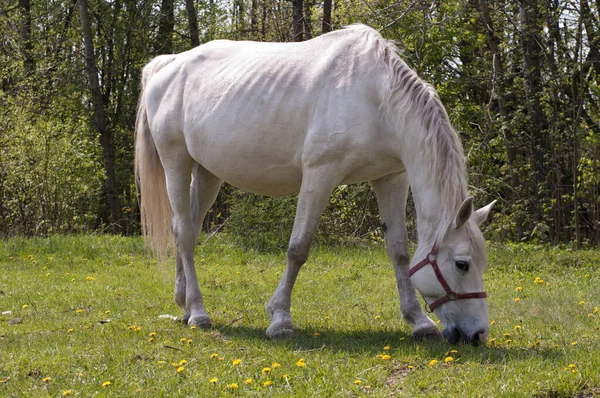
pixel 392 193
pixel 317 186
pixel 178 170
pixel 204 190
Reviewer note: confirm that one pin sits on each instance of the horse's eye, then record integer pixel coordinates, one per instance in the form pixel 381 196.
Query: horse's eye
pixel 462 265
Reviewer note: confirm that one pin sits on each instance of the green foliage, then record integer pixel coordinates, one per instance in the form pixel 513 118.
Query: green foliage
pixel 48 172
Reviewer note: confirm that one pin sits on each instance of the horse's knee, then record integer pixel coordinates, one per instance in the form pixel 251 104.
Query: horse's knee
pixel 298 252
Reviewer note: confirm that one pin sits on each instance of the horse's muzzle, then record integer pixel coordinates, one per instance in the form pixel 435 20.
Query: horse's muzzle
pixel 456 336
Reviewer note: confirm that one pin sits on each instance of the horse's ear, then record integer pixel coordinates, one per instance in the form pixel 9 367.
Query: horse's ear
pixel 464 213
pixel 482 214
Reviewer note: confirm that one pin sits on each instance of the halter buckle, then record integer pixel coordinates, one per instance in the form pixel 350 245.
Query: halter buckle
pixel 451 296
pixel 431 257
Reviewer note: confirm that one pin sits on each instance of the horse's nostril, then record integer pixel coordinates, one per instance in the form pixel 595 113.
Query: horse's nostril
pixel 478 337
pixel 452 335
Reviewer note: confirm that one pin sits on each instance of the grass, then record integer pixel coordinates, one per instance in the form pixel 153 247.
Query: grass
pixel 90 308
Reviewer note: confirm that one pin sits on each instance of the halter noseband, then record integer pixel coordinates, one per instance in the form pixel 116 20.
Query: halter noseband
pixel 451 295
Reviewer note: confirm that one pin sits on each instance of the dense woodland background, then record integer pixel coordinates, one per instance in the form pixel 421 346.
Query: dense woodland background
pixel 519 79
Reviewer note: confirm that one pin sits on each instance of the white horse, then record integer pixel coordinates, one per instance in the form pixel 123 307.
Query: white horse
pixel 283 118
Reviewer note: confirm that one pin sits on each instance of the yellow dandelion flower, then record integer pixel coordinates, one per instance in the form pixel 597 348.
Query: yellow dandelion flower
pixel 213 380
pixel 581 302
pixel 90 278
pixel 79 310
pixel 180 369
pixel 574 343
pixel 25 306
pixel 161 362
pixel 267 383
pixel 232 386
pixel 189 341
pixel 518 288
pixel 377 317
pixel 517 327
pixel 248 382
pixel 386 357
pixel 433 362
pixel 80 374
pixel 453 351
pixel 538 280
pixel 266 371
pixel 316 334
pixel 448 359
pixel 357 382
pixel 595 310
pixel 492 340
pixel 509 341
pixel 47 379
pixel 174 364
pixel 386 348
pixel 571 366
pixel 138 328
pixel 69 330
pixel 275 365
pixel 517 299
pixel 573 371
pixel 152 334
pixel 300 363
pixel 506 335
pixel 183 340
pixel 107 312
pixel 106 384
pixel 236 362
pixel 183 362
pixel 214 355
pixel 492 323
pixel 67 393
pixel 48 274
pixel 401 338
pixel 221 358
pixel 326 317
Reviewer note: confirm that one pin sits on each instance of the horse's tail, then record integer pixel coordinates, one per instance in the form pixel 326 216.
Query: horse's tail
pixel 155 208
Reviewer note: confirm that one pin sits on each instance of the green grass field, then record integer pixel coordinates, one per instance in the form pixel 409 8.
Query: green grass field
pixel 90 325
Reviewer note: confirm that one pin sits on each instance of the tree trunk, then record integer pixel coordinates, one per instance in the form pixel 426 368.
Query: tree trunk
pixel 164 40
pixel 499 82
pixel 308 19
pixel 100 119
pixel 536 123
pixel 327 16
pixel 193 23
pixel 297 19
pixel 28 60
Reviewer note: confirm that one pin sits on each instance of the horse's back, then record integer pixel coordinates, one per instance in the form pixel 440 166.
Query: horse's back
pixel 255 113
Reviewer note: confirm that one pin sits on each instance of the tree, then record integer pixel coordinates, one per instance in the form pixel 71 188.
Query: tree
pixel 105 134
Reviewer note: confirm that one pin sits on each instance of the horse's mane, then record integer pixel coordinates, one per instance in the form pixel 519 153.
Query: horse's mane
pixel 404 90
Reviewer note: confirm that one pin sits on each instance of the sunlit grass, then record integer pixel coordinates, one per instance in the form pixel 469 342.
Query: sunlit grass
pixel 90 307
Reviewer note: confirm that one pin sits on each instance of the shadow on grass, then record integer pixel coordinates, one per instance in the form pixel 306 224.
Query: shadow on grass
pixel 371 342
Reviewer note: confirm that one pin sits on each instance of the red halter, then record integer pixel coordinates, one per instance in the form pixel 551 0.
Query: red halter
pixel 450 294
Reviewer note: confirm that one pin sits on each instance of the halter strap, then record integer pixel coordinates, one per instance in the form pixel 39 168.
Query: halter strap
pixel 450 294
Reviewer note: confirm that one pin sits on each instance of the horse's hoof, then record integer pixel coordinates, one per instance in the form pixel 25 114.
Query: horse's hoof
pixel 428 333
pixel 202 321
pixel 279 333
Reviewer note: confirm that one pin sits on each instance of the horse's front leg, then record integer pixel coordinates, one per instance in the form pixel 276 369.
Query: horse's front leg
pixel 392 193
pixel 317 186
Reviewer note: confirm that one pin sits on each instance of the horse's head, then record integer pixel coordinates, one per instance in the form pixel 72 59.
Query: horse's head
pixel 450 276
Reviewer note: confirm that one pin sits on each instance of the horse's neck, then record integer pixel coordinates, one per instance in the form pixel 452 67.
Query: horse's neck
pixel 435 202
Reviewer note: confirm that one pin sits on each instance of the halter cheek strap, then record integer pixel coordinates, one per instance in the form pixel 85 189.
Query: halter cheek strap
pixel 451 295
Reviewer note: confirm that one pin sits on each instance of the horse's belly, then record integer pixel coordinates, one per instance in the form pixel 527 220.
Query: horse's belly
pixel 260 173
